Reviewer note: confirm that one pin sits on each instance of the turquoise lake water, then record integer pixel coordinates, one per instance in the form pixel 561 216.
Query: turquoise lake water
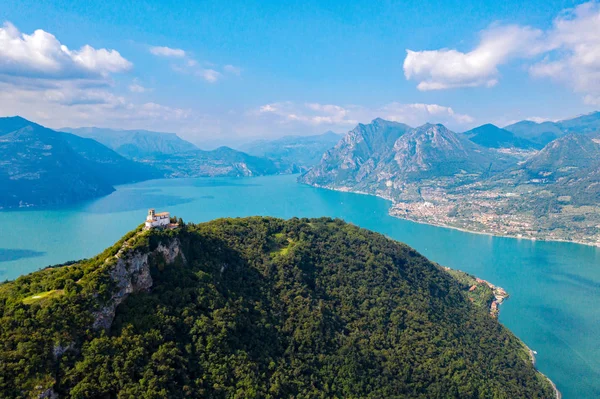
pixel 555 287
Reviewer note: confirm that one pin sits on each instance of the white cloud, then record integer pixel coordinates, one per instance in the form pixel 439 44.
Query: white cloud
pixel 570 52
pixel 162 51
pixel 206 71
pixel 45 81
pixel 449 68
pixel 41 55
pixel 574 59
pixel 67 103
pixel 210 75
pixel 232 70
pixel 292 116
pixel 137 88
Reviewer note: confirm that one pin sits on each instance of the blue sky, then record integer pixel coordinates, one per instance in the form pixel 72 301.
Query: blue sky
pixel 228 70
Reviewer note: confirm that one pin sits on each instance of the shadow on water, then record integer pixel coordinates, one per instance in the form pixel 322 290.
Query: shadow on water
pixel 7 255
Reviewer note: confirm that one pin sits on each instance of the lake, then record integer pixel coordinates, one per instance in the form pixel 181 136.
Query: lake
pixel 554 305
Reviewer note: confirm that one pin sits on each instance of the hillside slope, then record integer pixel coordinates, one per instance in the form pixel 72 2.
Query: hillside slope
pixel 40 166
pixel 255 308
pixel 37 167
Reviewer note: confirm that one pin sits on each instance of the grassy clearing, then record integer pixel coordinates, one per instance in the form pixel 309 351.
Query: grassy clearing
pixel 42 296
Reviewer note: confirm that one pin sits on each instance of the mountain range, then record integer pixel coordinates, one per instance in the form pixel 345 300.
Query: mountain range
pixel 545 132
pixel 135 144
pixel 492 136
pixel 257 308
pixel 488 179
pixel 42 167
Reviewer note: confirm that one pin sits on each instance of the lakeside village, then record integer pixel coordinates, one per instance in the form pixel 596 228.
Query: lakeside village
pixel 499 295
pixel 474 284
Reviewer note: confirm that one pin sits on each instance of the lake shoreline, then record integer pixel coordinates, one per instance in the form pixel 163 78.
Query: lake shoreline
pixel 343 190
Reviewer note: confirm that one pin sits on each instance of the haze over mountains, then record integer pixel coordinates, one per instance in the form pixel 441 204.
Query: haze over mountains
pixel 135 143
pixel 301 151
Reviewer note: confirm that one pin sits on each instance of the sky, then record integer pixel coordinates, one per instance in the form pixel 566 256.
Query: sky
pixel 230 71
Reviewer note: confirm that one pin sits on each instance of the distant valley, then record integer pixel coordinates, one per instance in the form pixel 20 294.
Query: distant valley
pixel 530 180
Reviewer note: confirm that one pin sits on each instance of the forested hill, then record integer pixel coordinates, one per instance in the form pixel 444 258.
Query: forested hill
pixel 255 308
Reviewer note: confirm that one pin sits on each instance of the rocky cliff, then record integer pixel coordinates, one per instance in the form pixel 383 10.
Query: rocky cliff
pixel 131 273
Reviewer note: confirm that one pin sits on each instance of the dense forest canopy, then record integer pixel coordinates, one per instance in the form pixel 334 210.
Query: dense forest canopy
pixel 256 308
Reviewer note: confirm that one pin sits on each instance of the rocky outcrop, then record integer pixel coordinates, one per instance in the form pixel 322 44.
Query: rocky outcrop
pixel 131 273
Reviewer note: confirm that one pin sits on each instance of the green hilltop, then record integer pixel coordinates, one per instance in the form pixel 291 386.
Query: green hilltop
pixel 255 308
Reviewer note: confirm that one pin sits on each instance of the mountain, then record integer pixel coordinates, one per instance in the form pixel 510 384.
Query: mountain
pixel 545 132
pixel 105 162
pixel 38 167
pixel 135 144
pixel 175 157
pixel 356 154
pixel 223 161
pixel 435 176
pixel 584 124
pixel 302 151
pixel 9 124
pixel 434 151
pixel 400 161
pixel 43 167
pixel 539 133
pixel 256 308
pixel 562 157
pixel 491 136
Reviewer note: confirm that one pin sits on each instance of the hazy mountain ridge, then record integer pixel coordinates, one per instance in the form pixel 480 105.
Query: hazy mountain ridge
pixel 135 144
pixel 259 308
pixel 41 166
pixel 301 151
pixel 545 132
pixel 436 176
pixel 223 161
pixel 492 136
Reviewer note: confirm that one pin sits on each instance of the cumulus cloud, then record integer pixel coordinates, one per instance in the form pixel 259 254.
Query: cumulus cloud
pixel 449 68
pixel 574 56
pixel 41 55
pixel 162 51
pixel 289 115
pixel 43 80
pixel 66 103
pixel 568 52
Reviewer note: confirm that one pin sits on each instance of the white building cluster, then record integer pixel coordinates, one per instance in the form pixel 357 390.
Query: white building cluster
pixel 161 219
